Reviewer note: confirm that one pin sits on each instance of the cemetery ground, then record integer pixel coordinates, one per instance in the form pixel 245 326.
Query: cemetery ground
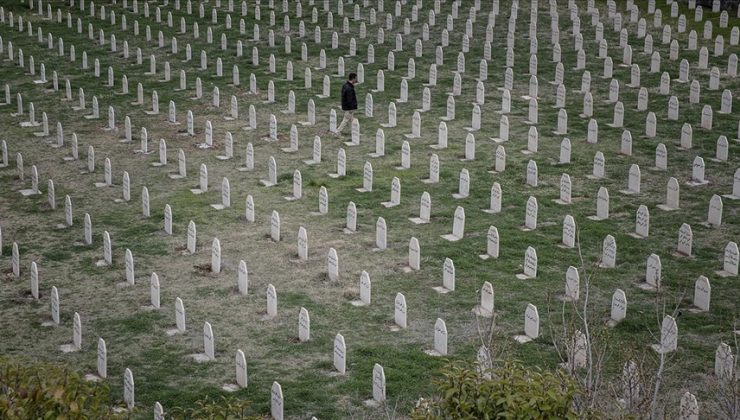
pixel 162 364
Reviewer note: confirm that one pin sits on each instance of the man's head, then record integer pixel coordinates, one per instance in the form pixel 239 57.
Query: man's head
pixel 352 78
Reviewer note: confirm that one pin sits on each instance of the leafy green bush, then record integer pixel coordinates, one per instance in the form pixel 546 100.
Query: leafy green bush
pixel 45 391
pixel 511 391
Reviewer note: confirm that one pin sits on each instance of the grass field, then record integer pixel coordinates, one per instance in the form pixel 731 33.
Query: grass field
pixel 162 366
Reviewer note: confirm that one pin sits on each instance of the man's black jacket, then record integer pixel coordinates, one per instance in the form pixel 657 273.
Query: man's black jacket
pixel 349 100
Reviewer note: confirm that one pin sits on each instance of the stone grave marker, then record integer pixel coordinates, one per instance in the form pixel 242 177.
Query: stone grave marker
pixel 531 325
pixel 530 265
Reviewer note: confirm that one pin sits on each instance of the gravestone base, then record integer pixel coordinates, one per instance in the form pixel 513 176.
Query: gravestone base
pixel 694 183
pixel 731 197
pixel 68 348
pixel 602 265
pixel 429 181
pixel 230 387
pixel 591 176
pixel 48 323
pixel 522 339
pixel 40 134
pixel 585 116
pixel 149 308
pixel 176 176
pixel 26 124
pixel 561 133
pixel 564 298
pixel 561 202
pixel 362 190
pixel 611 323
pixel 372 403
pixel 119 201
pixel 485 257
pixel 291 198
pixel 437 147
pixel 627 192
pixel 679 254
pixel 62 226
pixel 433 353
pixel 708 225
pixel 522 276
pixel 218 206
pixel 173 331
pixel 309 162
pixel 451 237
pixel 108 128
pixel 205 146
pixel 596 218
pixel 666 208
pixel 458 196
pixel 90 377
pixel 357 303
pixel 196 191
pixel 387 125
pixel 101 185
pixel 394 328
pixel 120 410
pixel 485 313
pixel 418 221
pixel 284 149
pixel 317 213
pixel 28 192
pixel 498 140
pixel 636 235
pixel 224 157
pixel 491 211
pixel 695 310
pixel 389 204
pixel 267 182
pixel 724 274
pixel 414 136
pixel 528 122
pixel 348 231
pixel 151 112
pixel 244 169
pixel 525 229
pixel 249 128
pixel 124 284
pixel 659 349
pixel 647 287
pixel 200 357
pixel 441 290
pixel 372 155
pixel 157 164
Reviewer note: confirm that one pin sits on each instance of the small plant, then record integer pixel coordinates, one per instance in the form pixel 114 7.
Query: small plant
pixel 230 408
pixel 45 391
pixel 510 391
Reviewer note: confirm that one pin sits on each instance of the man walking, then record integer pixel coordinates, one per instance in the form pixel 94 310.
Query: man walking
pixel 349 101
